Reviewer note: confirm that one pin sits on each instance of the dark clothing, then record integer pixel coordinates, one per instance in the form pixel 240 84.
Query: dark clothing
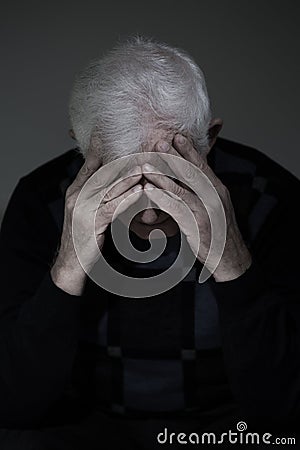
pixel 206 353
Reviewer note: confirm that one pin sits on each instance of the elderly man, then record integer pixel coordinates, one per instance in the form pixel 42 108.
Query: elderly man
pixel 92 368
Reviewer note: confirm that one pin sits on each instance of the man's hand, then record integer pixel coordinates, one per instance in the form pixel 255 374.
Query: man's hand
pixel 67 272
pixel 236 258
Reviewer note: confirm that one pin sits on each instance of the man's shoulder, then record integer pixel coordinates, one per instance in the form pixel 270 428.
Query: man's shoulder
pixel 262 191
pixel 56 173
pixel 242 162
pixel 43 189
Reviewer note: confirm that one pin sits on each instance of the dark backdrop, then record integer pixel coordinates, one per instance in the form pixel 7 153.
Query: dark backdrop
pixel 249 51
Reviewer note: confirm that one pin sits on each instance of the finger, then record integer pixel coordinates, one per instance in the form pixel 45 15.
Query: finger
pixel 165 147
pixel 178 165
pixel 186 149
pixel 162 181
pixel 118 205
pixel 91 164
pixel 123 184
pixel 173 206
pixel 197 179
pixel 190 154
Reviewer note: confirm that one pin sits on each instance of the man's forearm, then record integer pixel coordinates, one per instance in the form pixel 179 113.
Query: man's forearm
pixel 235 261
pixel 70 277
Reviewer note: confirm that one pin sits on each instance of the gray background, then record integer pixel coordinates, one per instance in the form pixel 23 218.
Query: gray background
pixel 249 51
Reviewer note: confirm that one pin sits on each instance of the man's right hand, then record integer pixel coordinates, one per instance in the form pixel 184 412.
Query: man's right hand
pixel 67 272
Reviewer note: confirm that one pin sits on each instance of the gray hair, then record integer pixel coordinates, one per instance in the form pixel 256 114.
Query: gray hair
pixel 138 87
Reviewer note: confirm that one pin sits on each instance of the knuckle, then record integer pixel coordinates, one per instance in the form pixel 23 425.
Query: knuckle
pixel 108 208
pixel 179 205
pixel 70 201
pixel 69 191
pixel 107 195
pixel 95 141
pixel 190 174
pixel 202 164
pixel 224 192
pixel 85 169
pixel 179 191
pixel 170 202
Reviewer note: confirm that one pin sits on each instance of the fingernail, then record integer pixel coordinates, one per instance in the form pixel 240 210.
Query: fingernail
pixel 180 139
pixel 148 167
pixel 164 146
pixel 149 186
pixel 137 188
pixel 135 171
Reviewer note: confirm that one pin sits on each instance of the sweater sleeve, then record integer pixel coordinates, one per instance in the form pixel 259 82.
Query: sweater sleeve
pixel 38 321
pixel 260 322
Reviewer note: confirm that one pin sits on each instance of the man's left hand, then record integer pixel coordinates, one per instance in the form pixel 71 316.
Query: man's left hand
pixel 236 258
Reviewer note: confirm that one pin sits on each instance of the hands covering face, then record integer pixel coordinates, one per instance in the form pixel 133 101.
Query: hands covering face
pixel 122 192
pixel 173 198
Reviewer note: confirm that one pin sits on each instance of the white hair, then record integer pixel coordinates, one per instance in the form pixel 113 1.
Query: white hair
pixel 138 87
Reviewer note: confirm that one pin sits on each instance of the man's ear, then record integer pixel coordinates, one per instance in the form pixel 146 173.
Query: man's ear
pixel 215 127
pixel 71 134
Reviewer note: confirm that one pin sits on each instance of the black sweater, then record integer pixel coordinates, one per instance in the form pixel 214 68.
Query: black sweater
pixel 50 354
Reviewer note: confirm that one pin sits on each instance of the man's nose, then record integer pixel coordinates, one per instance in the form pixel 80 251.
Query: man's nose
pixel 149 216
